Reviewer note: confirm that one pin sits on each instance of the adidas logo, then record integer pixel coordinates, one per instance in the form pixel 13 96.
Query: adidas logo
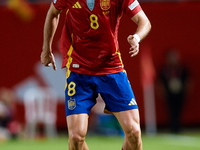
pixel 77 5
pixel 132 102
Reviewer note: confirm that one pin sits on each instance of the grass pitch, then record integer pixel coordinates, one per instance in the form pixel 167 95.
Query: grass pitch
pixel 154 142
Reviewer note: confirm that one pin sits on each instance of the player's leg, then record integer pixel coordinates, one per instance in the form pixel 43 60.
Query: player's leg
pixel 119 98
pixel 77 129
pixel 129 120
pixel 80 97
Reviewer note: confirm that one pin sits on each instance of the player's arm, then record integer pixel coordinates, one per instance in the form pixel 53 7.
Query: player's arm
pixel 50 27
pixel 144 26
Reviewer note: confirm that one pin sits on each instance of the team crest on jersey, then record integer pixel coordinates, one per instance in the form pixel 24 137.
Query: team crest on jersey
pixel 105 4
pixel 71 104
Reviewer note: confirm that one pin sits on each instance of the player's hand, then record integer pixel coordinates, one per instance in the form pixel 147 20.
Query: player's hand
pixel 134 49
pixel 47 59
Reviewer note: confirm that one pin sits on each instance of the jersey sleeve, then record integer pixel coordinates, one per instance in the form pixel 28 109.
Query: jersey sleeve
pixel 60 4
pixel 131 7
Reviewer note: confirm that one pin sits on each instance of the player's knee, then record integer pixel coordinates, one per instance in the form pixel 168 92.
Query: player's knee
pixel 77 139
pixel 133 135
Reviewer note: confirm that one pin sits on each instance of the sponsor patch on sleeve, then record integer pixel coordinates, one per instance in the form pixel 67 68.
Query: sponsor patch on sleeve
pixel 133 5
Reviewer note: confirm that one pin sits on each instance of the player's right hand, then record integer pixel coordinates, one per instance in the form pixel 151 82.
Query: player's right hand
pixel 47 59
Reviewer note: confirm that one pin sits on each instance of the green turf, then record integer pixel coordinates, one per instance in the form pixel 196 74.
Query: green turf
pixel 171 142
pixel 158 142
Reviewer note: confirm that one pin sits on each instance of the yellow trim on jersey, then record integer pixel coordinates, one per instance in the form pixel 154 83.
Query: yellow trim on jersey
pixel 120 58
pixel 118 53
pixel 121 16
pixel 67 12
pixel 69 61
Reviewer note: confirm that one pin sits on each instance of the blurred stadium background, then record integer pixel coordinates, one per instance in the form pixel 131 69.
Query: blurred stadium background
pixel 175 23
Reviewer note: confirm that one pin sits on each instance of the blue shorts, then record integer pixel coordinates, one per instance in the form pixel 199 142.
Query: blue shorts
pixel 82 90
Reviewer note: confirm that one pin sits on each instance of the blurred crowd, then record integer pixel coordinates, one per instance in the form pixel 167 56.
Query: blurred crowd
pixel 9 127
pixel 174 79
pixel 40 106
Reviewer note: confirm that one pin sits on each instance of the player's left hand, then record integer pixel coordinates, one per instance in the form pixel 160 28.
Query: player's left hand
pixel 134 49
pixel 47 59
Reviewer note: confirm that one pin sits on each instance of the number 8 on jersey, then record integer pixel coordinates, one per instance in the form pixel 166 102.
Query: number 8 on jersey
pixel 94 21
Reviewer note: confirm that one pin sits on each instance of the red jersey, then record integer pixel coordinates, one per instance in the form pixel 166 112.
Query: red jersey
pixel 89 40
